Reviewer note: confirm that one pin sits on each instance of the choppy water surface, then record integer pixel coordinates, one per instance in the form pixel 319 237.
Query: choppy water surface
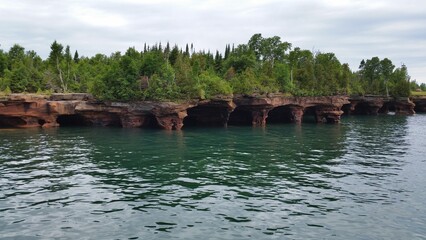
pixel 362 179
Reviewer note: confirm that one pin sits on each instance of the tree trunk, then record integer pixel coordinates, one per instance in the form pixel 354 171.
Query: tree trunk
pixel 63 85
pixel 387 90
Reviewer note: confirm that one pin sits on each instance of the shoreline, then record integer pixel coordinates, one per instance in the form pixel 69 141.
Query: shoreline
pixel 80 109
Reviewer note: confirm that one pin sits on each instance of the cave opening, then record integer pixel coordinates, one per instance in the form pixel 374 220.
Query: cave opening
pixel 346 108
pixel 240 116
pixel 363 108
pixel 206 117
pixel 41 122
pixel 11 122
pixel 388 108
pixel 105 120
pixel 281 114
pixel 309 115
pixel 150 121
pixel 72 120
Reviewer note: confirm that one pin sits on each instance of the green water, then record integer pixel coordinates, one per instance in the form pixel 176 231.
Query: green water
pixel 362 179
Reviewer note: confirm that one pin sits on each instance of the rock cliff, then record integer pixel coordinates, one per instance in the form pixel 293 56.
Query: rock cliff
pixel 19 110
pixel 374 105
pixel 420 103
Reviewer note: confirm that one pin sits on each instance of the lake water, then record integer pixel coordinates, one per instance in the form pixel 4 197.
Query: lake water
pixel 362 179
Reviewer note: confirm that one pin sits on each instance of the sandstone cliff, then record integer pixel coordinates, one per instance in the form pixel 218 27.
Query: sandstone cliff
pixel 19 110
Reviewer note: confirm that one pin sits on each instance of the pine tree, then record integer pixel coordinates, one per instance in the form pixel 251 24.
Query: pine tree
pixel 55 59
pixel 76 57
pixel 186 50
pixel 227 51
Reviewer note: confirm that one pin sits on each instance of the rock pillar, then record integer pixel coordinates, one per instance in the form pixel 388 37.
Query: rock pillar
pixel 171 121
pixel 131 121
pixel 259 117
pixel 296 114
pixel 328 114
pixel 404 107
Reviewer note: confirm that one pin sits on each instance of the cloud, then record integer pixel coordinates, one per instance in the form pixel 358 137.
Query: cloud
pixel 97 18
pixel 353 29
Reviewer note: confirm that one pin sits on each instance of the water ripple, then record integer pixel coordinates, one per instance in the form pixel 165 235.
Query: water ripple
pixel 359 180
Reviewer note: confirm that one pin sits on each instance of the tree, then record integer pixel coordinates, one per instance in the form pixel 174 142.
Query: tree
pixel 282 75
pixel 241 59
pixel 262 65
pixel 151 63
pixel 18 78
pixel 3 62
pixel 16 55
pixel 68 65
pixel 227 51
pixel 173 55
pixel 273 49
pixel 186 50
pixel 255 44
pixel 218 60
pixel 56 57
pixel 327 73
pixel 371 76
pixel 293 59
pixel 76 57
pixel 210 85
pixel 345 79
pixel 400 83
pixel 386 70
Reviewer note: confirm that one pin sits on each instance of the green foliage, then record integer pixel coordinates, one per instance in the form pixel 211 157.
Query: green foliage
pixel 3 63
pixel 244 83
pixel 16 55
pixel 400 83
pixel 416 93
pixel 282 75
pixel 18 78
pixel 381 78
pixel 7 91
pixel 241 59
pixel 210 85
pixel 262 65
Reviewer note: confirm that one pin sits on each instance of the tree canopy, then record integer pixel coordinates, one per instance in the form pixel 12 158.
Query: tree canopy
pixel 262 65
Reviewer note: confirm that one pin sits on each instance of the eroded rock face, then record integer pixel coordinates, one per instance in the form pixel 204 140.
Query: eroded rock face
pixel 404 106
pixel 366 105
pixel 20 110
pixel 375 105
pixel 210 113
pixel 420 104
pixel 33 111
pixel 291 109
pixel 328 114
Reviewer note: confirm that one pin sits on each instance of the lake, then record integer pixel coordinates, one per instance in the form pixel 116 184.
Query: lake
pixel 361 179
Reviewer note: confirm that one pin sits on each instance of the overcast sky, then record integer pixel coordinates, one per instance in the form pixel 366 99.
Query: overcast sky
pixel 352 29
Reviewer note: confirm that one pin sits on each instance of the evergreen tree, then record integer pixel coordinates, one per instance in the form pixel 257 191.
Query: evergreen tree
pixel 56 57
pixel 186 50
pixel 76 57
pixel 262 65
pixel 174 55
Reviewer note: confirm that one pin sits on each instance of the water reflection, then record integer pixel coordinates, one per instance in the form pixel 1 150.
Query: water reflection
pixel 231 183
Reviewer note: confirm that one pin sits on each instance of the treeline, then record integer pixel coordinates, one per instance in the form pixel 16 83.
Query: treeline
pixel 263 65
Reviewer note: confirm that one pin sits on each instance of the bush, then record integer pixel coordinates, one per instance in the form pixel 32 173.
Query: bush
pixel 210 85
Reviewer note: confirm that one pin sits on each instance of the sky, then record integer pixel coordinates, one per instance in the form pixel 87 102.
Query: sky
pixel 352 29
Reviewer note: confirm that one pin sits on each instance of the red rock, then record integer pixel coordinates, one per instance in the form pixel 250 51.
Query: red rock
pixel 29 110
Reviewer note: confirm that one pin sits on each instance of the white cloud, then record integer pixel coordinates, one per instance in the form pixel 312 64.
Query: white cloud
pixel 353 29
pixel 98 18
